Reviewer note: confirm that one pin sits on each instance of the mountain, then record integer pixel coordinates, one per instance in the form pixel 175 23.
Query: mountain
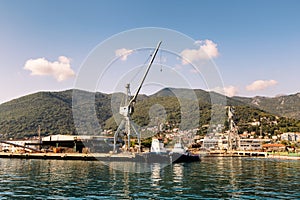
pixel 285 105
pixel 51 110
pixel 61 112
pixel 21 117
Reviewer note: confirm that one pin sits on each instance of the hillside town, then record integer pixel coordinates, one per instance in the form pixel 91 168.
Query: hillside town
pixel 285 142
pixel 217 140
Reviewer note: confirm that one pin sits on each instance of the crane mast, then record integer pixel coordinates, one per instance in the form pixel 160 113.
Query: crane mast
pixel 127 110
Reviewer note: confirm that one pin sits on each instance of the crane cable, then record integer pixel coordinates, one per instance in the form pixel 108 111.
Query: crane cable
pixel 137 73
pixel 141 68
pixel 160 60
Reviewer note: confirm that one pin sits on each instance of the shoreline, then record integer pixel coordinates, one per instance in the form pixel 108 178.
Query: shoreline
pixel 49 156
pixel 134 157
pixel 285 157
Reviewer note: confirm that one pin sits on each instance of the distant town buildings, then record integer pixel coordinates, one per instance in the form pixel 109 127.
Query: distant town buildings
pixel 213 141
pixel 291 137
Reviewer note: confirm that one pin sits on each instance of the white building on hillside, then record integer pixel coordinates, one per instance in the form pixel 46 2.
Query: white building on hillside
pixel 290 136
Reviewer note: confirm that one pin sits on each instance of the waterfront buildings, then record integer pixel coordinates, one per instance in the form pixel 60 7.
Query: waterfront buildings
pixel 220 141
pixel 273 147
pixel 212 141
pixel 252 144
pixel 18 145
pixel 74 143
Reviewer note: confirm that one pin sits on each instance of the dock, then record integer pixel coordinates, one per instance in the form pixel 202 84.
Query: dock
pixel 222 153
pixel 73 156
pixel 251 153
pixel 106 157
pixel 53 156
pixel 132 157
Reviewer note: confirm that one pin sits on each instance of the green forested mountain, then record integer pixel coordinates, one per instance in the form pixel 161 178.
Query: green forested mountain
pixel 50 110
pixel 53 111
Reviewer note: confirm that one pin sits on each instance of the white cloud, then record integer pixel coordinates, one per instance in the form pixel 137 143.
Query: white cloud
pixel 260 85
pixel 123 53
pixel 60 70
pixel 229 91
pixel 64 59
pixel 207 50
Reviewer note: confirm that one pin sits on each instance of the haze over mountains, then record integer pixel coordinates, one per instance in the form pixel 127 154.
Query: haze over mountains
pixel 53 110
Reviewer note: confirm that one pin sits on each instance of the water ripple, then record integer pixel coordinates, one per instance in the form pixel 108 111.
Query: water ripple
pixel 212 178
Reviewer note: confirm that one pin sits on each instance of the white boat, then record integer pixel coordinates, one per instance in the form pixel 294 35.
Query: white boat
pixel 157 146
pixel 179 148
pixel 160 154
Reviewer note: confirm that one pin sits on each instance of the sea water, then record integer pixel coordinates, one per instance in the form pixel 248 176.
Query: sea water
pixel 211 178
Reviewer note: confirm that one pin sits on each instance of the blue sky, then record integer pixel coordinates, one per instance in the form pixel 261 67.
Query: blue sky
pixel 257 41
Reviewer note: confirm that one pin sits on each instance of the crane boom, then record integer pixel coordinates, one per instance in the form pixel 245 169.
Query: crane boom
pixel 145 75
pixel 127 111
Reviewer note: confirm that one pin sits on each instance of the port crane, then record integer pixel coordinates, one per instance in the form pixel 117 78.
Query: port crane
pixel 127 110
pixel 233 136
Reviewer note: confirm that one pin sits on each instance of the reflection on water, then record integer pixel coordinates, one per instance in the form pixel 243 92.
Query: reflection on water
pixel 178 173
pixel 178 186
pixel 212 178
pixel 133 167
pixel 155 174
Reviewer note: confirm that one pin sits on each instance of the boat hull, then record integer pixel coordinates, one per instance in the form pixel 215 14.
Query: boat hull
pixel 169 157
pixel 181 158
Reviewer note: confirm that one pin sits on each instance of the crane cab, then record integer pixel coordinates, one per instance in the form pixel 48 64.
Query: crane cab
pixel 126 111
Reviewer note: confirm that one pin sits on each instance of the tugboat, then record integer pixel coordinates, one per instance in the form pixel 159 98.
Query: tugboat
pixel 181 154
pixel 159 153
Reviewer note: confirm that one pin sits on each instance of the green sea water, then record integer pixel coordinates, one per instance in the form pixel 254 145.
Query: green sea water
pixel 211 178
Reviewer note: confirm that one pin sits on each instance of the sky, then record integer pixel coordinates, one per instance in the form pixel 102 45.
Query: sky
pixel 253 44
